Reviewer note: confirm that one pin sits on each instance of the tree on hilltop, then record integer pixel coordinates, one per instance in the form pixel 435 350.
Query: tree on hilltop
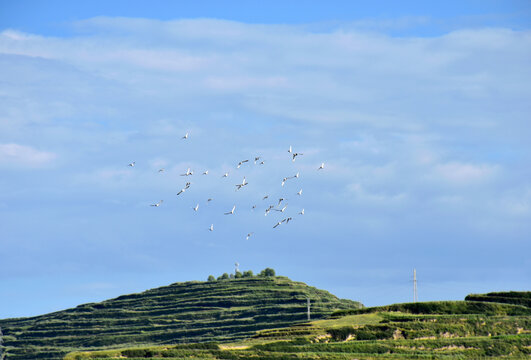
pixel 225 276
pixel 211 278
pixel 267 272
pixel 248 273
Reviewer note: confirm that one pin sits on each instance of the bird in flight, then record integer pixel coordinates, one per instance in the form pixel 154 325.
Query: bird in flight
pixel 206 172
pixel 299 192
pixel 180 192
pixel 241 163
pixel 289 219
pixel 185 136
pixel 161 170
pixel 188 173
pixel 196 207
pixel 321 167
pixel 232 211
pixel 157 204
pixel 284 181
pixel 248 235
pixel 187 186
pixel 226 174
pixel 209 199
pixel 254 207
pixel 256 159
pixel 283 209
pixel 280 200
pixel 290 150
pixel 262 162
pixel 239 186
pixel 277 224
pixel 131 164
pixel 211 228
pixel 295 155
pixel 302 212
pixel 265 197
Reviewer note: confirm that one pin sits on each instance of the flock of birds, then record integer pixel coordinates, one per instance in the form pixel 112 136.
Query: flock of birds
pixel 280 206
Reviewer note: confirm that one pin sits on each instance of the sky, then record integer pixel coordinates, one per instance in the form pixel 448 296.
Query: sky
pixel 419 111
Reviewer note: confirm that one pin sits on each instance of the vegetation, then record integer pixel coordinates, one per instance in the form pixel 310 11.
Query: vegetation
pixel 191 312
pixel 434 330
pixel 512 297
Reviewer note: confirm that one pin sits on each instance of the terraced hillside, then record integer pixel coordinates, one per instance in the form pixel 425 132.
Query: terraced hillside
pixel 433 330
pixel 510 297
pixel 223 310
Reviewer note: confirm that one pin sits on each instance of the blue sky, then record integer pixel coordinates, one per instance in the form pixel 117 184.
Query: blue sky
pixel 420 112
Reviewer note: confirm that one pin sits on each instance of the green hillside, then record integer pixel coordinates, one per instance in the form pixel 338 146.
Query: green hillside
pixel 510 297
pixel 223 310
pixel 433 330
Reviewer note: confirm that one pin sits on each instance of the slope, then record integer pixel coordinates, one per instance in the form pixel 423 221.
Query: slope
pixel 434 330
pixel 223 310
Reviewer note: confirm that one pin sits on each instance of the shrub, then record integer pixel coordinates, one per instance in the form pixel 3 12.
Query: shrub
pixel 267 272
pixel 238 275
pixel 211 278
pixel 248 273
pixel 225 276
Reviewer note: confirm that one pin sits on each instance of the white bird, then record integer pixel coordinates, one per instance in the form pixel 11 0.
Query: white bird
pixel 282 210
pixel 295 155
pixel 196 207
pixel 180 192
pixel 157 204
pixel 211 228
pixel 254 207
pixel 290 150
pixel 161 170
pixel 267 212
pixel 280 200
pixel 131 164
pixel 249 235
pixel 256 159
pixel 277 224
pixel 188 173
pixel 302 212
pixel 241 163
pixel 206 172
pixel 187 186
pixel 232 211
pixel 299 192
pixel 185 136
pixel 321 167
pixel 288 219
pixel 226 174
pixel 284 181
pixel 262 162
pixel 296 176
pixel 239 186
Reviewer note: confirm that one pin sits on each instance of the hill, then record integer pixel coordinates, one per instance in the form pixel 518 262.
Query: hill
pixel 510 297
pixel 222 310
pixel 432 330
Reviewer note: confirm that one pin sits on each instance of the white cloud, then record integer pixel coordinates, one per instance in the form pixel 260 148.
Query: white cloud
pixel 463 173
pixel 24 156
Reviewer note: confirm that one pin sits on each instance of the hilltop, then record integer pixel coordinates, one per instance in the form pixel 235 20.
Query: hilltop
pixel 430 330
pixel 192 312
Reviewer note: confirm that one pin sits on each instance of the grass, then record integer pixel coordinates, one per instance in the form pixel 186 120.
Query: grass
pixel 434 330
pixel 223 311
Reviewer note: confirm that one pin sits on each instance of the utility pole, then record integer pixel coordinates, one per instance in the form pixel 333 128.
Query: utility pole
pixel 308 304
pixel 415 295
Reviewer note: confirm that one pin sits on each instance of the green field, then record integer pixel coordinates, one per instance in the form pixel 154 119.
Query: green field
pixel 223 310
